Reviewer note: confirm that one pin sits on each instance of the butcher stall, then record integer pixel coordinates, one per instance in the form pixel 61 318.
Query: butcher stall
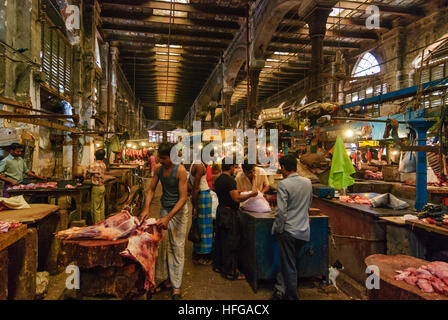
pixel 259 255
pixel 56 189
pixel 115 257
pixel 356 231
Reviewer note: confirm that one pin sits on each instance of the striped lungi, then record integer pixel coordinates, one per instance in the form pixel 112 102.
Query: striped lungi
pixel 205 223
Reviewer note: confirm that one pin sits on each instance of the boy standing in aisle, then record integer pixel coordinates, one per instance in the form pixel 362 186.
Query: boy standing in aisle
pixel 96 172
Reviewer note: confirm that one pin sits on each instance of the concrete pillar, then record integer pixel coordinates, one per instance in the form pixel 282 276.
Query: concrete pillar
pixel 402 74
pixel 102 110
pixel 254 77
pixel 227 93
pixel 212 107
pixel 113 87
pixel 317 20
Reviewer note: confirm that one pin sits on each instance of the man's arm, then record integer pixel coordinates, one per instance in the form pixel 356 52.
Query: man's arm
pixel 198 172
pixel 6 179
pixel 265 181
pixel 182 176
pixel 32 174
pixel 282 206
pixel 238 197
pixel 150 195
pixel 265 185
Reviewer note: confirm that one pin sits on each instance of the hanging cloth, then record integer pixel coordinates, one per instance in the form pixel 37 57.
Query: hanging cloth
pixel 341 167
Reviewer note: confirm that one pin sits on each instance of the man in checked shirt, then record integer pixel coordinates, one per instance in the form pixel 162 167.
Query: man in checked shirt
pixel 96 173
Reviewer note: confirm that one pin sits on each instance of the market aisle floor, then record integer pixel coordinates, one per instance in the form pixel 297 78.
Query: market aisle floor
pixel 201 283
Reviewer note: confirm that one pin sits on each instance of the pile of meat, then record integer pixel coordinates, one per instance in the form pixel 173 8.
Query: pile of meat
pixel 143 240
pixel 373 175
pixel 432 221
pixel 40 185
pixel 113 228
pixel 6 226
pixel 355 199
pixel 432 277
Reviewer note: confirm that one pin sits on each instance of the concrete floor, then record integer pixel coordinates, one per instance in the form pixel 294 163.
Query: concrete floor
pixel 201 283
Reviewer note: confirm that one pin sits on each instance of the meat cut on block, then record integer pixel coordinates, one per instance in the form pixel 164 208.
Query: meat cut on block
pixel 113 228
pixel 142 247
pixel 432 277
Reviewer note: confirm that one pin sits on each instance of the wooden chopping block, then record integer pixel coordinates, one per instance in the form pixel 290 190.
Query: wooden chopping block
pixel 93 253
pixel 22 267
pixel 4 274
pixel 391 289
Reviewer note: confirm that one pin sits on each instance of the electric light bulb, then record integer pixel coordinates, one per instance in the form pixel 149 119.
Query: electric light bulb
pixel 349 133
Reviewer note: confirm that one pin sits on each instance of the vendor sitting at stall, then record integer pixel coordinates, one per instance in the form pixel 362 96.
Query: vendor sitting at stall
pixel 96 171
pixel 13 168
pixel 252 178
pixel 226 244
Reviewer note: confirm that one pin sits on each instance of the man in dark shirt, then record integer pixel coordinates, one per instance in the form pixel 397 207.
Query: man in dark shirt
pixel 227 238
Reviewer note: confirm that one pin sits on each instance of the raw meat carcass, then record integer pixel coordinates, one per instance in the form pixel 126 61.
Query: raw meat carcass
pixel 411 280
pixel 142 247
pixel 7 226
pixel 429 278
pixel 402 275
pixel 373 175
pixel 31 186
pixel 113 228
pixel 425 285
pixel 439 286
pixel 439 269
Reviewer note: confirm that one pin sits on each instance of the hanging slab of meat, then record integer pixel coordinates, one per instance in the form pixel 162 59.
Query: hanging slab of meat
pixel 142 247
pixel 113 228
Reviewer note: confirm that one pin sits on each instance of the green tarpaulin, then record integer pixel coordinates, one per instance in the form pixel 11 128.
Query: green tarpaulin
pixel 341 167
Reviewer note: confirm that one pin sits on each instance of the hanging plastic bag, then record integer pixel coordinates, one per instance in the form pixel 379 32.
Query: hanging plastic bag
pixel 407 162
pixel 256 204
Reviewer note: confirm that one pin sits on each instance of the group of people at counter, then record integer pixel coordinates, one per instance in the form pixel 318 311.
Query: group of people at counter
pixel 219 240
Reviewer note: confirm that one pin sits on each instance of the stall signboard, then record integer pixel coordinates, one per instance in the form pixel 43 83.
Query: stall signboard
pixel 379 127
pixel 369 143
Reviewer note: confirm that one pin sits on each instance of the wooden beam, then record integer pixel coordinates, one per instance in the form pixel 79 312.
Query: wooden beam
pixel 403 11
pixel 114 34
pixel 113 23
pixel 39 122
